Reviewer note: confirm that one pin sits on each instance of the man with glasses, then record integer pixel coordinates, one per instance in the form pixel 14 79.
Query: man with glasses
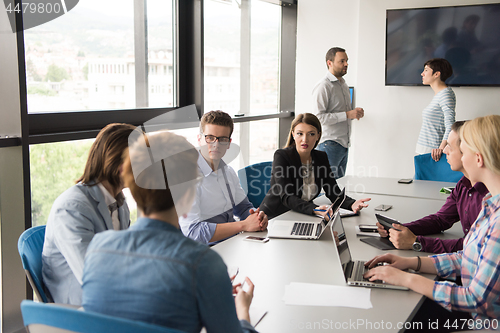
pixel 219 197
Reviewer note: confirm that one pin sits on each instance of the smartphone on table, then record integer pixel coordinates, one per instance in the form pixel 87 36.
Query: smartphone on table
pixel 383 208
pixel 257 239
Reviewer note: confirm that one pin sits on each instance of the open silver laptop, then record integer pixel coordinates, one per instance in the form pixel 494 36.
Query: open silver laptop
pixel 353 270
pixel 305 230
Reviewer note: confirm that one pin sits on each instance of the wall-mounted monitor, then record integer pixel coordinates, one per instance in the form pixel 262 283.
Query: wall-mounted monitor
pixel 467 36
pixel 351 92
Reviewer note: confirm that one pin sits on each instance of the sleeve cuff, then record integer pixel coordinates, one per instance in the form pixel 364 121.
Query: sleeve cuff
pixel 247 327
pixel 202 232
pixel 425 246
pixel 341 116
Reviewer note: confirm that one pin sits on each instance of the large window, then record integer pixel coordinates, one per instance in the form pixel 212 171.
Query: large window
pixel 54 168
pixel 241 56
pixel 102 55
pixel 241 74
pixel 123 57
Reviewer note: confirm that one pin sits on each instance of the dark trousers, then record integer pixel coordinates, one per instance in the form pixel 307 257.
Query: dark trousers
pixel 432 317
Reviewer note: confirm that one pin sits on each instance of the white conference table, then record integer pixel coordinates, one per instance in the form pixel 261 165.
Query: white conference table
pixel 275 264
pixel 390 186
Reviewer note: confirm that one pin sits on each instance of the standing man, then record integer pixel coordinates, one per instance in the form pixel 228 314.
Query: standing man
pixel 332 106
pixel 219 197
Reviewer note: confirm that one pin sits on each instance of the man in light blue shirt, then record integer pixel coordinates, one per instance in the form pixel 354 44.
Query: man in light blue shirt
pixel 219 197
pixel 332 106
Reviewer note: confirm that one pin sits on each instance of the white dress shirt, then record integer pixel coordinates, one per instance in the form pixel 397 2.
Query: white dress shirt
pixel 331 101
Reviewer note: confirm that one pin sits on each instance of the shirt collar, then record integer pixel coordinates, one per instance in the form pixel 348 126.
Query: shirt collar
pixel 332 77
pixel 481 188
pixel 205 168
pixel 493 202
pixel 147 223
pixel 108 198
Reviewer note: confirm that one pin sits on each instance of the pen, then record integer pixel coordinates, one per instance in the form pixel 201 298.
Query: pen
pixel 320 210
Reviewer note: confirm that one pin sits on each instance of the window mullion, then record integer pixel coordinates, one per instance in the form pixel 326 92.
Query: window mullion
pixel 141 54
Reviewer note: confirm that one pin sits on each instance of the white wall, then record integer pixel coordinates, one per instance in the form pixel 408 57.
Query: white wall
pixel 383 142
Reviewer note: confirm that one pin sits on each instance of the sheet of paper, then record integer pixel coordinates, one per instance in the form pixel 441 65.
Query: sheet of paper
pixel 256 315
pixel 347 213
pixel 311 294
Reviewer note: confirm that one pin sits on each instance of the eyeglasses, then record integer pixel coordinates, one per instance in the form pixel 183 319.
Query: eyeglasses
pixel 223 140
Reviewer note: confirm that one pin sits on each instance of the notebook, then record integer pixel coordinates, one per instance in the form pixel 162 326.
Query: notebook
pixel 353 270
pixel 305 230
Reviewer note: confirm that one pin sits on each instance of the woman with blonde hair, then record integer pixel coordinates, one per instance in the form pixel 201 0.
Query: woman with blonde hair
pixel 300 172
pixel 151 272
pixel 478 263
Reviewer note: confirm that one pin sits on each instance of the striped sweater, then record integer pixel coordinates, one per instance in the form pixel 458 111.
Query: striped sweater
pixel 437 119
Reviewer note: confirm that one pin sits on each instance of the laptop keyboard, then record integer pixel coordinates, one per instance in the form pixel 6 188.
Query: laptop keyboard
pixel 361 269
pixel 302 229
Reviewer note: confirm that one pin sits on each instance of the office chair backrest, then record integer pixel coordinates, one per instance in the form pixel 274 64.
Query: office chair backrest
pixel 43 318
pixel 428 169
pixel 30 246
pixel 255 181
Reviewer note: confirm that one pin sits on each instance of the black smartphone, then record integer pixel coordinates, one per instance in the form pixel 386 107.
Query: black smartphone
pixel 405 181
pixel 368 228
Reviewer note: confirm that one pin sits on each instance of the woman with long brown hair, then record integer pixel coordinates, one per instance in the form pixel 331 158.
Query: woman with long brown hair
pixel 300 172
pixel 94 204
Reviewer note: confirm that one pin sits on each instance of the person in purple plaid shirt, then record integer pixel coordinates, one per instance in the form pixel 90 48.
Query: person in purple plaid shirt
pixel 478 263
pixel 463 204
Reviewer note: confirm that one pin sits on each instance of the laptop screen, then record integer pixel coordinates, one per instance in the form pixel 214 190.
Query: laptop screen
pixel 338 234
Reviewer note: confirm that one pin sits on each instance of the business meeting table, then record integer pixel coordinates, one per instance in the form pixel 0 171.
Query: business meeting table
pixel 275 264
pixel 389 186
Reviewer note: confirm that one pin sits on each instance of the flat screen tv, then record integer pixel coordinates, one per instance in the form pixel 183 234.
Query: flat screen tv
pixel 467 36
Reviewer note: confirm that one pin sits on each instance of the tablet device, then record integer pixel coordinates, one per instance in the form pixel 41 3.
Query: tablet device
pixel 379 243
pixel 386 221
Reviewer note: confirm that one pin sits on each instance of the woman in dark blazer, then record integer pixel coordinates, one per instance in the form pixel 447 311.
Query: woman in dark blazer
pixel 300 172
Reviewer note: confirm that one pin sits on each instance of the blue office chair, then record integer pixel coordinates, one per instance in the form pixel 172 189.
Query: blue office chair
pixel 43 318
pixel 30 246
pixel 255 181
pixel 428 169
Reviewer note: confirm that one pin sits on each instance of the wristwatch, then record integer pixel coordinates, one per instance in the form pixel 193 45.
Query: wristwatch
pixel 417 246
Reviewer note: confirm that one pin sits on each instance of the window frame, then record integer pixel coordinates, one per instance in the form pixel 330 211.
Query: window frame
pixel 188 66
pixel 187 88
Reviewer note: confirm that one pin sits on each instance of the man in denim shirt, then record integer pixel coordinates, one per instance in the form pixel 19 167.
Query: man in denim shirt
pixel 152 272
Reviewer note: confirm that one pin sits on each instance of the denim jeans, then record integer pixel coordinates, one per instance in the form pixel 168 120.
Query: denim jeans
pixel 337 156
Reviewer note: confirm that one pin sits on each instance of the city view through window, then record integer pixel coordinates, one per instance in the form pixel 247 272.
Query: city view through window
pixel 85 61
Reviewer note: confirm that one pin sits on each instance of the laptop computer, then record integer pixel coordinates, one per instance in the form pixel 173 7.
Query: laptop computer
pixel 353 270
pixel 305 230
pixel 382 243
